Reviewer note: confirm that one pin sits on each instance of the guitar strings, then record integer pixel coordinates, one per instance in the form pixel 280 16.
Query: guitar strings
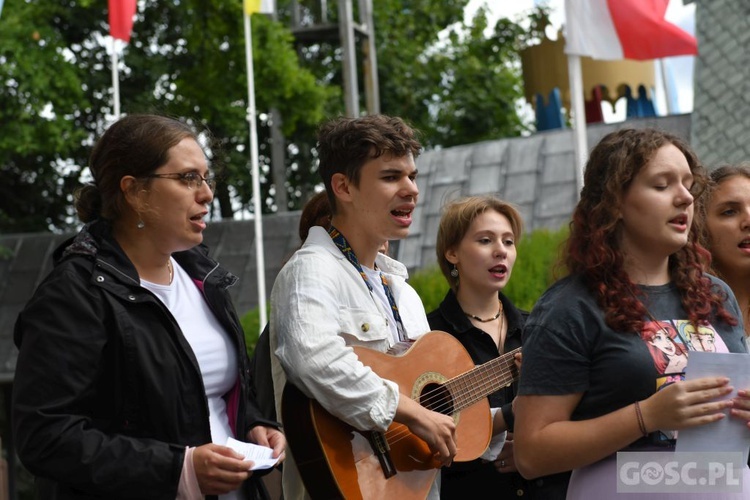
pixel 462 384
pixel 458 387
pixel 395 435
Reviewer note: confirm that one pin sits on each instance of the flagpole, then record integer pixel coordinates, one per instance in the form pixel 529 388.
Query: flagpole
pixel 115 79
pixel 578 119
pixel 259 257
pixel 665 85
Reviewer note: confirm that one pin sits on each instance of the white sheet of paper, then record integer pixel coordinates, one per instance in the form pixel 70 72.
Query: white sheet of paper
pixel 730 433
pixel 261 455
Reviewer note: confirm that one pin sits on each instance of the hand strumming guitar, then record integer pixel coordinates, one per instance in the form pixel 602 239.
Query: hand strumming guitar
pixel 435 429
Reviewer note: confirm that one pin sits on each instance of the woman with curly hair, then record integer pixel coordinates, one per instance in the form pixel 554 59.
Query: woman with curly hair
pixel 588 386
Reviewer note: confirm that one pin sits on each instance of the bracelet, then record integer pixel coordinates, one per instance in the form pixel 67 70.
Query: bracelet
pixel 639 416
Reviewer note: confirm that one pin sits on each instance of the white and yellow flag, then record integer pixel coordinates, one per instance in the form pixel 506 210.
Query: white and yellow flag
pixel 260 6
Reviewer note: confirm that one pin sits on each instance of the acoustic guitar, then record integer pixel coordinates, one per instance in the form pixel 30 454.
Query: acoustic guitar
pixel 336 460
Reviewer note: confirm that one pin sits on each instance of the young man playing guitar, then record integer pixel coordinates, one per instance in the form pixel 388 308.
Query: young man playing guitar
pixel 337 292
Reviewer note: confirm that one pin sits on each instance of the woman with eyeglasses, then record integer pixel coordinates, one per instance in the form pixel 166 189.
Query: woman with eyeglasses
pixel 132 370
pixel 590 385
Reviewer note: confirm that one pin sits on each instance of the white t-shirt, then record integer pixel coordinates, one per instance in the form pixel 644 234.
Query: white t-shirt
pixel 217 357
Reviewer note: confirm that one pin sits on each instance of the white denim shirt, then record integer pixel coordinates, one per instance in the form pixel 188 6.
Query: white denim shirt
pixel 320 307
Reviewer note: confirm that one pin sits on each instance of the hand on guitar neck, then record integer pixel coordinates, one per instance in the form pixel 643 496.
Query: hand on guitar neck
pixel 435 429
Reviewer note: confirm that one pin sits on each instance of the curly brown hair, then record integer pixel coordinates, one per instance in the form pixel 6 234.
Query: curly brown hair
pixel 592 249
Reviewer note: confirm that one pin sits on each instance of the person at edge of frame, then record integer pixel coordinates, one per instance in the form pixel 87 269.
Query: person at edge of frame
pixel 591 386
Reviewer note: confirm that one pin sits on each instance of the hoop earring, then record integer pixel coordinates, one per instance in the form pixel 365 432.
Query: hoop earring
pixel 454 271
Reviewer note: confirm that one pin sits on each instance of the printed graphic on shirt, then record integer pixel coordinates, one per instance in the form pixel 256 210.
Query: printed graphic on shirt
pixel 667 349
pixel 705 339
pixel 669 342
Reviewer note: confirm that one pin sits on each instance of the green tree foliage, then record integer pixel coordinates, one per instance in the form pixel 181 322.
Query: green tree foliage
pixel 455 82
pixel 431 286
pixel 481 85
pixel 185 59
pixel 250 322
pixel 41 98
pixel 206 78
pixel 409 59
pixel 538 265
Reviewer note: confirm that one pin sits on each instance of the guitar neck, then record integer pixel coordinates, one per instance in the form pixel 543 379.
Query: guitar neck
pixel 483 380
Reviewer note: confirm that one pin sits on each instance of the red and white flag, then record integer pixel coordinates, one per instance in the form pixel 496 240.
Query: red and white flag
pixel 121 13
pixel 624 29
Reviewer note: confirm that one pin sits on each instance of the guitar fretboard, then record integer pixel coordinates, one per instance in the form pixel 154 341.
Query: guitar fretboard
pixel 468 388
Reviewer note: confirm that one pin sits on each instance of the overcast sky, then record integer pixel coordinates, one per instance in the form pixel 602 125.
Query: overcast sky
pixel 679 70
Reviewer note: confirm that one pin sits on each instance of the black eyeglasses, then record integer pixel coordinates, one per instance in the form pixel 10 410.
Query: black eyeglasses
pixel 193 180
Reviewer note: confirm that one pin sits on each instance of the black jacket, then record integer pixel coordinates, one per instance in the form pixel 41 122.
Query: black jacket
pixel 107 391
pixel 261 375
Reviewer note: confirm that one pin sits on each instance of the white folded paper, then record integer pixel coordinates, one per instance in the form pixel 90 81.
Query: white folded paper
pixel 261 455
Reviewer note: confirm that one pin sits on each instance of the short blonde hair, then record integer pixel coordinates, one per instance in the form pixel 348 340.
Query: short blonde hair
pixel 458 216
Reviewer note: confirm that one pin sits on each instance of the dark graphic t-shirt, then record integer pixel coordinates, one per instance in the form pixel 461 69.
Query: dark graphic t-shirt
pixel 670 343
pixel 568 348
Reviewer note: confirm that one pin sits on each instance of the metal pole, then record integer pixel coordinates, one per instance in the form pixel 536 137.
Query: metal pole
pixel 665 85
pixel 115 80
pixel 370 62
pixel 260 259
pixel 346 29
pixel 578 118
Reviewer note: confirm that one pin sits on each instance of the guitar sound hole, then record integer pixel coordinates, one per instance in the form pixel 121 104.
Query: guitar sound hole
pixel 437 398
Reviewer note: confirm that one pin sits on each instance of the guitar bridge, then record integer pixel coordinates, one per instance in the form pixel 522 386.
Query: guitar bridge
pixel 381 449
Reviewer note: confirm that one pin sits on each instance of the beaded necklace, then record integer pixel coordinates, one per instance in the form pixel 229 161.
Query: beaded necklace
pixel 482 320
